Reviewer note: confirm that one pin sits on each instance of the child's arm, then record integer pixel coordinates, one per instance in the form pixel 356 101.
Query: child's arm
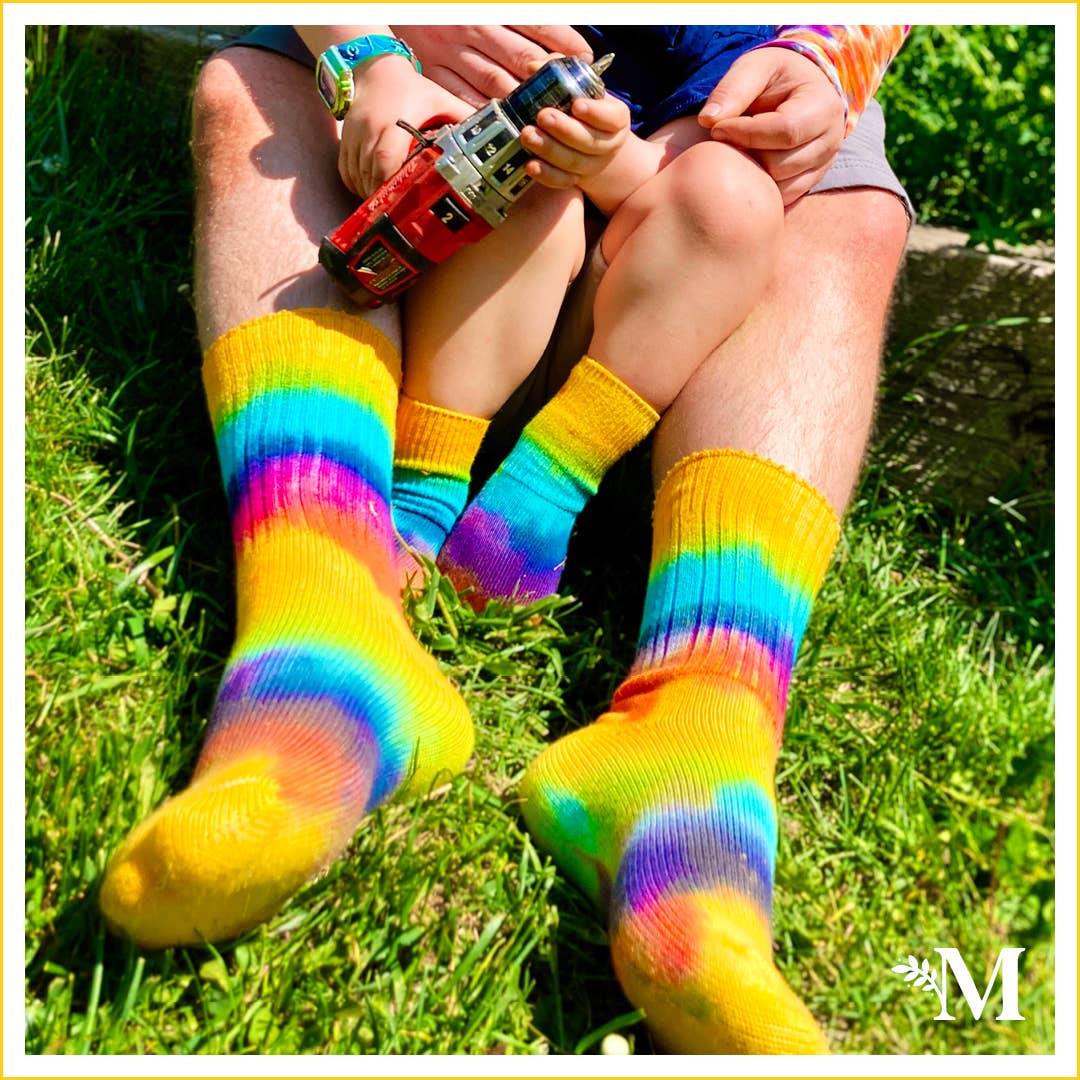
pixel 386 89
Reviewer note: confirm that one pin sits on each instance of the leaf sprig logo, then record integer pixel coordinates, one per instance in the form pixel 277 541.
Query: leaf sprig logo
pixel 920 976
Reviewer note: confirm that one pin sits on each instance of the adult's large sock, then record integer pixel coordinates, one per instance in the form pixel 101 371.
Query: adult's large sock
pixel 511 542
pixel 664 810
pixel 433 457
pixel 328 705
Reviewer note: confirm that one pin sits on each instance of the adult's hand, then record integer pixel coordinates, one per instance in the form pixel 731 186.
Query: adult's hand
pixel 388 89
pixel 477 63
pixel 781 108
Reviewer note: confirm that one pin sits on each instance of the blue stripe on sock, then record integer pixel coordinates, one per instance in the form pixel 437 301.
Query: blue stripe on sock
pixel 736 587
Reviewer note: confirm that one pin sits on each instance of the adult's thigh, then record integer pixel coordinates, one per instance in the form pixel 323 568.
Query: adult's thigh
pixel 267 190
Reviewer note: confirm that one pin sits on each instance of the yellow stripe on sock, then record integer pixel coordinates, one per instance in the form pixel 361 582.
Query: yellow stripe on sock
pixel 710 496
pixel 436 440
pixel 592 421
pixel 312 348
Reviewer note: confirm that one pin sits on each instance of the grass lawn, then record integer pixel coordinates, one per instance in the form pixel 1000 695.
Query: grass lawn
pixel 916 781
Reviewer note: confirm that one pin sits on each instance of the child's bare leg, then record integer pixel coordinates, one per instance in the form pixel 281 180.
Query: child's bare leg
pixel 474 329
pixel 691 249
pixel 690 252
pixel 475 326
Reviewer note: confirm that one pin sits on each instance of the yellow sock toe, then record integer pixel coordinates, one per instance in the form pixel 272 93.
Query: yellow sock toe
pixel 216 860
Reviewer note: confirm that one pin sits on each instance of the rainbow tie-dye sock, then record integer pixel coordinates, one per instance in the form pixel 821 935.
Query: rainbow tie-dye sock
pixel 511 542
pixel 434 452
pixel 664 809
pixel 328 705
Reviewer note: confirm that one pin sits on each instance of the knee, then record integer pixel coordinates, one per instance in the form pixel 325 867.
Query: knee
pixel 721 199
pixel 861 229
pixel 877 231
pixel 218 103
pixel 229 102
pixel 217 94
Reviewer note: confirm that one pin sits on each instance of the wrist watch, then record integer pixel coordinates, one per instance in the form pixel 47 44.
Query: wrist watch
pixel 334 69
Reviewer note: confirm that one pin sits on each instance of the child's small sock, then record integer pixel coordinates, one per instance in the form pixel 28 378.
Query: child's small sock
pixel 328 705
pixel 511 542
pixel 434 450
pixel 664 809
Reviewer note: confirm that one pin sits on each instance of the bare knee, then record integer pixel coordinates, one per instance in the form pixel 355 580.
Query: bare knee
pixel 221 100
pixel 711 201
pixel 244 97
pixel 725 198
pixel 877 229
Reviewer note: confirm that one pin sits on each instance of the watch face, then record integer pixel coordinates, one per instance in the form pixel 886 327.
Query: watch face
pixel 328 86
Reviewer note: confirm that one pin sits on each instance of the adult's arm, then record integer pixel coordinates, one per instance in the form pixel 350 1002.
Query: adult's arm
pixel 853 58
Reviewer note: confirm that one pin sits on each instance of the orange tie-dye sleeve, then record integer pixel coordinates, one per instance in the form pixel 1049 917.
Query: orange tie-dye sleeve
pixel 855 58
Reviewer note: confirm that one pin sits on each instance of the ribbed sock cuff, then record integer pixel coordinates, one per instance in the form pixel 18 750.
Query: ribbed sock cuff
pixel 312 348
pixel 593 420
pixel 731 497
pixel 431 439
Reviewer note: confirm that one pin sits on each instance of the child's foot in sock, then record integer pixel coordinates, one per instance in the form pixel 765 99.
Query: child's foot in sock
pixel 433 455
pixel 328 705
pixel 511 542
pixel 664 811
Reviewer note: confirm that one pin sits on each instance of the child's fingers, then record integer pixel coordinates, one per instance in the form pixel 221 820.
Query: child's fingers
pixel 556 153
pixel 550 175
pixel 608 113
pixel 571 132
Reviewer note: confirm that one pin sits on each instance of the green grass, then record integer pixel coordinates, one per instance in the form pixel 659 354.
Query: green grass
pixel 916 780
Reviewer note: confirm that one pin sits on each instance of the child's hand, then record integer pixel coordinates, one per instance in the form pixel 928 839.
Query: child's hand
pixel 571 149
pixel 388 89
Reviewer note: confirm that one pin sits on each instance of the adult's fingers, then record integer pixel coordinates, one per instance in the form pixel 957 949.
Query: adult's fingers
pixel 787 164
pixel 487 72
pixel 782 129
pixel 558 39
pixel 735 92
pixel 797 186
pixel 456 85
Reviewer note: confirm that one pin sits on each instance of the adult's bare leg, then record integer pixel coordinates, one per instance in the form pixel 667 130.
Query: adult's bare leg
pixel 665 810
pixel 324 710
pixel 267 190
pixel 796 383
